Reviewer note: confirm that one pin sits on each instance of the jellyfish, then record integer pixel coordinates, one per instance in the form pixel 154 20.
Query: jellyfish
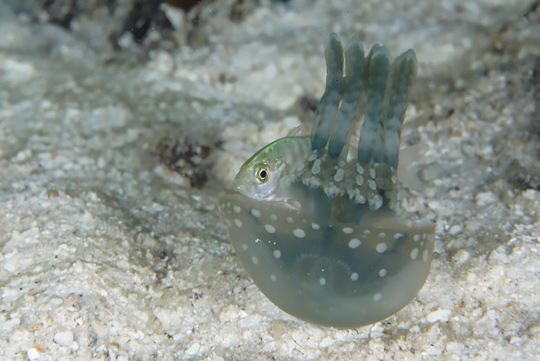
pixel 317 219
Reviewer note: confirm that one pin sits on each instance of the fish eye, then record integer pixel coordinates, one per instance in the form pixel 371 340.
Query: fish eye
pixel 262 173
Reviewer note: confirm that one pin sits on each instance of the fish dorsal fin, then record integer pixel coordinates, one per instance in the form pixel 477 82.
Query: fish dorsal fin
pixel 299 131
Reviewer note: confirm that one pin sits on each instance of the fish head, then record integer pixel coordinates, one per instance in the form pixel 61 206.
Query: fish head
pixel 259 177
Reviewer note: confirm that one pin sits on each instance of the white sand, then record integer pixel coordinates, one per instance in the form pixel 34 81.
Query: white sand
pixel 106 254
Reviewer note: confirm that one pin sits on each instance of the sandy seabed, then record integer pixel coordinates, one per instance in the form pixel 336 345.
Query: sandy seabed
pixel 108 254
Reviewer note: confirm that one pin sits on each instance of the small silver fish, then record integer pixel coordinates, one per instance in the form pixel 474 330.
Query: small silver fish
pixel 316 220
pixel 266 174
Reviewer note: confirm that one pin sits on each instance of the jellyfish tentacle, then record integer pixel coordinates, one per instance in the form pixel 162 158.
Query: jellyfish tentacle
pixel 352 88
pixel 377 66
pixel 383 86
pixel 402 73
pixel 329 103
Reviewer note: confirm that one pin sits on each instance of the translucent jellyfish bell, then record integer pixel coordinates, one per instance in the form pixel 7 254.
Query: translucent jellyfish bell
pixel 317 220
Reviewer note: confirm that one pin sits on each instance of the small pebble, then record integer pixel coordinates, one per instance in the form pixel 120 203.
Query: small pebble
pixel 32 354
pixel 439 315
pixel 64 338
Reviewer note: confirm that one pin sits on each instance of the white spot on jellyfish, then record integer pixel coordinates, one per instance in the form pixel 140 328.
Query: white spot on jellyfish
pixel 299 233
pixel 269 228
pixel 425 255
pixel 322 281
pixel 316 169
pixel 398 235
pixel 300 167
pixel 416 237
pixel 347 230
pixel 237 209
pixel 372 184
pixel 394 179
pixel 381 247
pixel 382 235
pixel 359 169
pixel 277 253
pixel 315 226
pixel 377 297
pixel 237 222
pixel 273 277
pixel 359 180
pixel 372 173
pixel 414 253
pixel 354 243
pixel 354 276
pixel 342 163
pixel 255 212
pixel 273 217
pixel 312 157
pixel 339 175
pixel 367 231
pixel 255 260
pixel 244 247
pixel 382 272
pixel 290 219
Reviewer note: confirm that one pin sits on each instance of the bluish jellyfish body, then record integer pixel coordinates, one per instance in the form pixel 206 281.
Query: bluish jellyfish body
pixel 316 220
